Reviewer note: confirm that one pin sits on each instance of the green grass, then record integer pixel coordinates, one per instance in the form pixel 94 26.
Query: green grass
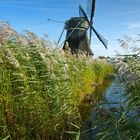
pixel 40 90
pixel 41 87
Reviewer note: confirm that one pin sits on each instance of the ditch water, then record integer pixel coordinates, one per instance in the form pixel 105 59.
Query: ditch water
pixel 112 100
pixel 113 97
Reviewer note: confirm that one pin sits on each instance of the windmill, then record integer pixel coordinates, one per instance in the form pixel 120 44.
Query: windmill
pixel 78 28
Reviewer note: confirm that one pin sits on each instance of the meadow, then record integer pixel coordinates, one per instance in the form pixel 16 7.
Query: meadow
pixel 41 87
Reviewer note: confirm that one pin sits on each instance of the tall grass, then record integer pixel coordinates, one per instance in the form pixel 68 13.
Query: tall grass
pixel 41 87
pixel 123 123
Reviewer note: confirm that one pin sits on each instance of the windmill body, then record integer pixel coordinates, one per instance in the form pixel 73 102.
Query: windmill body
pixel 78 28
pixel 77 37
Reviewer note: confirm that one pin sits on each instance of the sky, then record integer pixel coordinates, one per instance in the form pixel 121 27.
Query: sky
pixel 113 19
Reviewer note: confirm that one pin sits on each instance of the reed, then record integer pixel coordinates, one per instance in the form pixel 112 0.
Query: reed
pixel 123 123
pixel 41 87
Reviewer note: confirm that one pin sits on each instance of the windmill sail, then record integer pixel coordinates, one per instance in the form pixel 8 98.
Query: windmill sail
pixel 83 13
pixel 90 8
pixel 80 12
pixel 101 38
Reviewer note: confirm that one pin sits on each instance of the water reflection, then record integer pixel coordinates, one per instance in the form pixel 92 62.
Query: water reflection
pixel 91 100
pixel 109 99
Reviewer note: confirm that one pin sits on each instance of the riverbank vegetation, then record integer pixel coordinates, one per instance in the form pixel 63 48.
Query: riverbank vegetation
pixel 123 123
pixel 41 87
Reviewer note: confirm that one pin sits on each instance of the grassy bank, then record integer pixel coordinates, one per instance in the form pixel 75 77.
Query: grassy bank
pixel 41 88
pixel 123 123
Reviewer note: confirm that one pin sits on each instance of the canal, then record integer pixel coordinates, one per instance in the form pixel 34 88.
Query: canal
pixel 109 99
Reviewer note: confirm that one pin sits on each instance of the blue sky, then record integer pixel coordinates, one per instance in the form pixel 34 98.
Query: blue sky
pixel 113 18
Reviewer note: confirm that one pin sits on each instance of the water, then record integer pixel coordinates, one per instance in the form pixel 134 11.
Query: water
pixel 114 97
pixel 113 100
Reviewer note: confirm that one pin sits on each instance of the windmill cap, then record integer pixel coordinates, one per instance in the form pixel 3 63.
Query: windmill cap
pixel 76 22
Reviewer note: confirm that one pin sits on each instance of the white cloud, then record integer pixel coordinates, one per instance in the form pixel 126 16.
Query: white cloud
pixel 134 25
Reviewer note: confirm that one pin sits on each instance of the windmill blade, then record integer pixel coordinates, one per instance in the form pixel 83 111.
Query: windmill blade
pixel 89 7
pixel 82 13
pixel 56 21
pixel 91 4
pixel 61 35
pixel 101 38
pixel 90 35
pixel 71 31
pixel 92 10
pixel 86 17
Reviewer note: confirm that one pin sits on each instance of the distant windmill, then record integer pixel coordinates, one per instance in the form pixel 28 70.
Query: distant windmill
pixel 77 31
